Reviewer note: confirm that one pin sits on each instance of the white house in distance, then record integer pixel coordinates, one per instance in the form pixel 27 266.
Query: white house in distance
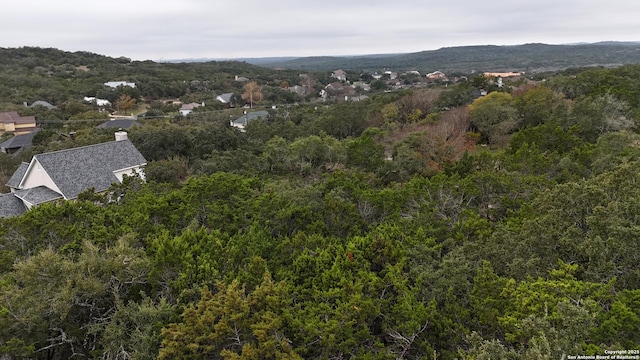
pixel 99 102
pixel 62 175
pixel 115 84
pixel 186 109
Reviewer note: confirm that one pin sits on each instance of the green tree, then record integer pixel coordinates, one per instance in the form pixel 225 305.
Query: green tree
pixel 365 153
pixel 536 106
pixel 494 115
pixel 57 306
pixel 162 142
pixel 173 171
pixel 232 324
pixel 134 329
pixel 597 115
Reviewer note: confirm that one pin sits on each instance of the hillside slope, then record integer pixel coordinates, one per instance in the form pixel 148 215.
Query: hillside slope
pixel 528 57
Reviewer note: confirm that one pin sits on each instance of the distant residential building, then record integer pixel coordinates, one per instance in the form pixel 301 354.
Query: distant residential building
pixel 362 85
pixel 436 75
pixel 98 102
pixel 43 104
pixel 341 75
pixel 226 98
pixel 502 74
pixel 392 75
pixel 298 89
pixel 479 93
pixel 245 119
pixel 115 84
pixel 241 78
pixel 186 109
pixel 12 122
pixel 18 142
pixel 339 89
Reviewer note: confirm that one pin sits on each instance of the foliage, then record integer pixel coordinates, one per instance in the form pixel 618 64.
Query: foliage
pixel 231 324
pixel 494 115
pixel 252 93
pixel 57 306
pixel 375 229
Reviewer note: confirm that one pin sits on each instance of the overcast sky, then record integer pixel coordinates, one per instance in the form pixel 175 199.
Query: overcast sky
pixel 163 29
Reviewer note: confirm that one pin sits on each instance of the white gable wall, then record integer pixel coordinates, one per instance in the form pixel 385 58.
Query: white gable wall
pixel 37 176
pixel 129 172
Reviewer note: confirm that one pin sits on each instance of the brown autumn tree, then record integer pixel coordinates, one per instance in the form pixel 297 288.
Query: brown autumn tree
pixel 124 103
pixel 252 93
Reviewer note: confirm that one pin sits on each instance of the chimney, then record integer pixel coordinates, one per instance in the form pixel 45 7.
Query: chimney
pixel 121 135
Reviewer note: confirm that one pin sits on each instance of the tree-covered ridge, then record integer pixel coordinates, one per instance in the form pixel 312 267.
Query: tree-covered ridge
pixel 63 78
pixel 416 224
pixel 527 57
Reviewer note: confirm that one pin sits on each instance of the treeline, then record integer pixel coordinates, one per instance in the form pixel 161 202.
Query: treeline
pixel 405 226
pixel 527 57
pixel 63 79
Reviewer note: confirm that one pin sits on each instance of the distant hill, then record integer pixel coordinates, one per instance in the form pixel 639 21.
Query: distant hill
pixel 527 57
pixel 252 61
pixel 28 74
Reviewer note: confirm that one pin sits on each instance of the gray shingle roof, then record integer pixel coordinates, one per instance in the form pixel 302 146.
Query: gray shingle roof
pixel 37 195
pixel 17 176
pixel 225 98
pixel 249 117
pixel 78 169
pixel 42 103
pixel 10 206
pixel 20 141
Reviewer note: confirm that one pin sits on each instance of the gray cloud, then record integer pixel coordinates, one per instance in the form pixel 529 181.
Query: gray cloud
pixel 145 29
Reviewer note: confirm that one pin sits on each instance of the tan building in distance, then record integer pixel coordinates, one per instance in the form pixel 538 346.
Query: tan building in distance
pixel 13 122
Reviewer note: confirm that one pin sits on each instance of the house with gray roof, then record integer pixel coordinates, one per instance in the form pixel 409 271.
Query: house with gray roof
pixel 187 109
pixel 43 103
pixel 62 175
pixel 16 178
pixel 226 98
pixel 18 142
pixel 245 119
pixel 10 206
pixel 36 196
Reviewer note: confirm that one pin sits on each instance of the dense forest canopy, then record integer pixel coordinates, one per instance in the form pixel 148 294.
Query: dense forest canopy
pixel 425 223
